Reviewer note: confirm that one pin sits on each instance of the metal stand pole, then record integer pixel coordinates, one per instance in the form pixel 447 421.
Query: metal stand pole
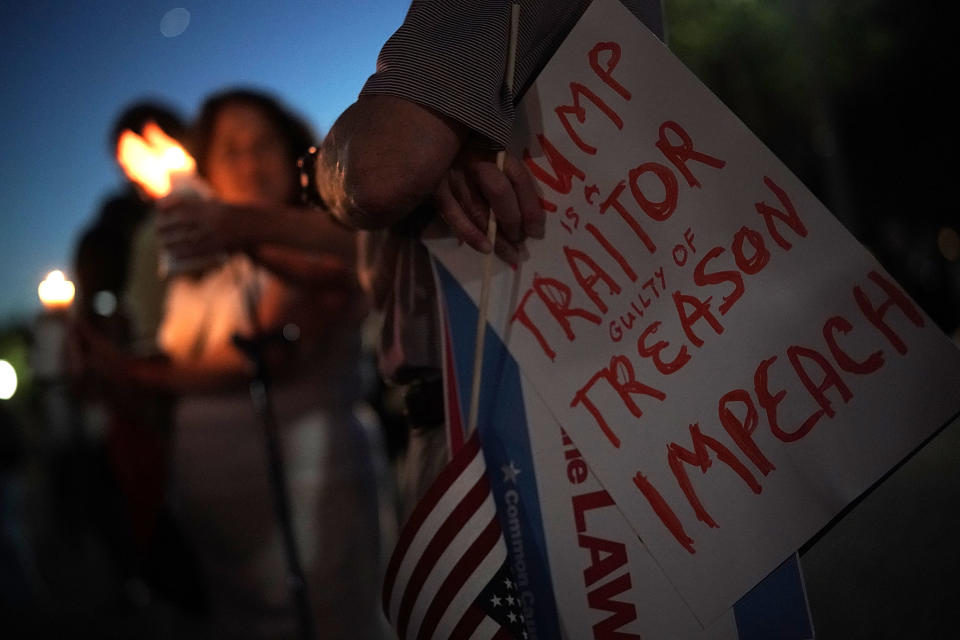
pixel 252 348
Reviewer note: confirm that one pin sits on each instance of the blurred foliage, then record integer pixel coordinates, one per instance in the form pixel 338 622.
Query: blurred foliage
pixel 854 97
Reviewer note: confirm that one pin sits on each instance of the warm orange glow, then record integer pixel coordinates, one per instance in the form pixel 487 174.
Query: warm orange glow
pixel 150 160
pixel 56 292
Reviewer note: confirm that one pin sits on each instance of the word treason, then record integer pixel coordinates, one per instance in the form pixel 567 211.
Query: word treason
pixel 750 255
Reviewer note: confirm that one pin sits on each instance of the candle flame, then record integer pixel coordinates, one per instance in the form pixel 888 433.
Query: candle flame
pixel 56 292
pixel 151 159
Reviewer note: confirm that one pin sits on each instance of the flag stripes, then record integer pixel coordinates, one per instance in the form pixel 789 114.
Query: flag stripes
pixel 464 574
pixel 454 539
pixel 466 457
pixel 452 409
pixel 448 552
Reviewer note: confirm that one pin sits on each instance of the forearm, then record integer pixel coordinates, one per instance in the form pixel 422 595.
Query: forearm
pixel 382 158
pixel 295 228
pixel 306 269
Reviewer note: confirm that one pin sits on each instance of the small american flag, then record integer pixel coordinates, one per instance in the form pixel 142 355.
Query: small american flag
pixel 448 576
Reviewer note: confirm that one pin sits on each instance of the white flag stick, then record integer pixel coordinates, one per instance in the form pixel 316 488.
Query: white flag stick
pixel 491 236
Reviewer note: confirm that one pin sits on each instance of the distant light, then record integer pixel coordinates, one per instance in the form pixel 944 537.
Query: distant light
pixel 8 380
pixel 56 292
pixel 174 22
pixel 948 241
pixel 291 332
pixel 104 303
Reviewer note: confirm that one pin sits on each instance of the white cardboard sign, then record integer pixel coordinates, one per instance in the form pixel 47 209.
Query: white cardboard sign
pixel 579 515
pixel 732 364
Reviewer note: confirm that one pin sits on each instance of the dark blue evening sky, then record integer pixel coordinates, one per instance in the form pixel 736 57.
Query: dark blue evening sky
pixel 69 67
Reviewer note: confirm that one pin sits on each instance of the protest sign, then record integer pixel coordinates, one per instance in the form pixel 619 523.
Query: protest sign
pixel 577 564
pixel 730 362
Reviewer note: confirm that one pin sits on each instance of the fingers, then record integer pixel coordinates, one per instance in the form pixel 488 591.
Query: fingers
pixel 532 215
pixel 462 225
pixel 498 191
pixel 508 252
pixel 476 186
pixel 470 199
pixel 177 235
pixel 177 231
pixel 512 195
pixel 468 221
pixel 170 216
pixel 189 229
pixel 176 224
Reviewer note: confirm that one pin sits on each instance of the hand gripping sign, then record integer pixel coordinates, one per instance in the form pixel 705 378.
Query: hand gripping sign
pixel 730 362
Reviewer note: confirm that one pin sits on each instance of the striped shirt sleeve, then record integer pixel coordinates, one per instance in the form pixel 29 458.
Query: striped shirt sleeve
pixel 450 55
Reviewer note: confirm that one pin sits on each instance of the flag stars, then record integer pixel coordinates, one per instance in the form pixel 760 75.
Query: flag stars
pixel 510 472
pixel 501 602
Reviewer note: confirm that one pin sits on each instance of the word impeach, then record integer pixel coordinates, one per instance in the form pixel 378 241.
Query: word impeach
pixel 816 372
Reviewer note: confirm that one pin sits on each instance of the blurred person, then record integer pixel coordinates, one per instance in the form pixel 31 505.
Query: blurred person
pixel 114 288
pixel 246 145
pixel 415 154
pixel 119 295
pixel 141 298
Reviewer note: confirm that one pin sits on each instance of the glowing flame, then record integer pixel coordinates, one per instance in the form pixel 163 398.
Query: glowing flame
pixel 150 160
pixel 56 292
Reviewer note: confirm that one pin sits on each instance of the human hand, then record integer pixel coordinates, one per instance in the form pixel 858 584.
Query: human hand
pixel 189 228
pixel 474 187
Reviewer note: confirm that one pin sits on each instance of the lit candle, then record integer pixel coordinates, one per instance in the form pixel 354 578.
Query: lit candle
pixel 50 329
pixel 159 164
pixel 55 291
pixel 163 168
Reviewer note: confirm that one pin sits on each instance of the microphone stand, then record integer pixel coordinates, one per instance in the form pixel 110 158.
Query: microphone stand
pixel 253 349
